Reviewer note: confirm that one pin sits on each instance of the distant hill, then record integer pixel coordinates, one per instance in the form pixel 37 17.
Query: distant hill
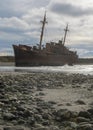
pixel 85 61
pixel 80 60
pixel 6 58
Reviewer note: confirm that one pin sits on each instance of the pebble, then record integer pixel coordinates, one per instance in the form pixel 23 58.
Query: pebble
pixel 80 102
pixel 85 114
pixel 20 106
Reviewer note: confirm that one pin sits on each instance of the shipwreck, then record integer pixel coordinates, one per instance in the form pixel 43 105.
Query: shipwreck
pixel 53 54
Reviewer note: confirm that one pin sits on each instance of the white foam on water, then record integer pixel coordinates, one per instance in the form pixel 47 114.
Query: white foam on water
pixel 82 69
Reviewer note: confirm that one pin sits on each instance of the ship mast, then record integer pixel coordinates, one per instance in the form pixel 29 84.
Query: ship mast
pixel 66 30
pixel 42 31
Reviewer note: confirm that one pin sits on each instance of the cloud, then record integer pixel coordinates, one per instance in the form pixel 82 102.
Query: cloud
pixel 39 4
pixel 6 51
pixel 13 29
pixel 83 53
pixel 11 8
pixel 18 8
pixel 70 9
pixel 83 50
pixel 13 24
pixel 20 22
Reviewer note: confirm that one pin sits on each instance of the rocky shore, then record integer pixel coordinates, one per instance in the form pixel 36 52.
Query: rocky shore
pixel 46 101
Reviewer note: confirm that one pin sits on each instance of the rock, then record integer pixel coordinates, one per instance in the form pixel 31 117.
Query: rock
pixel 76 85
pixel 85 127
pixel 9 116
pixel 26 113
pixel 90 111
pixel 13 128
pixel 91 104
pixel 31 121
pixel 63 114
pixel 54 128
pixel 71 125
pixel 85 114
pixel 1 104
pixel 45 123
pixel 21 121
pixel 39 89
pixel 41 128
pixel 20 108
pixel 44 105
pixel 39 109
pixel 91 86
pixel 41 94
pixel 82 119
pixel 68 104
pixel 80 102
pixel 38 118
pixel 52 102
pixel 13 98
pixel 2 85
pixel 5 101
pixel 46 116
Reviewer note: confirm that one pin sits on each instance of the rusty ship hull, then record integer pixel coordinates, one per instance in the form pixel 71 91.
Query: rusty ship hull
pixel 26 57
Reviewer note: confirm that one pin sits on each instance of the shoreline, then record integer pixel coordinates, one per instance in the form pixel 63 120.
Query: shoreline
pixel 48 101
pixel 76 69
pixel 7 64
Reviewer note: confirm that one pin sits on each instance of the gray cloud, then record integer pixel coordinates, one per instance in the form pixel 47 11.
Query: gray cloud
pixel 18 8
pixel 9 8
pixel 20 23
pixel 13 26
pixel 40 3
pixel 70 10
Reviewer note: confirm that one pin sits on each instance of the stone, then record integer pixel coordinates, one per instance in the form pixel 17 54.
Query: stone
pixel 26 113
pixel 82 119
pixel 46 116
pixel 91 86
pixel 41 94
pixel 38 118
pixel 85 114
pixel 68 104
pixel 39 89
pixel 13 128
pixel 54 128
pixel 41 128
pixel 85 127
pixel 2 84
pixel 71 125
pixel 80 102
pixel 9 116
pixel 45 123
pixel 21 121
pixel 90 111
pixel 63 114
pixel 31 121
pixel 20 108
pixel 52 102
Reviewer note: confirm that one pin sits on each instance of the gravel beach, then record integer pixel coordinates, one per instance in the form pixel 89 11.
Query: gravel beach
pixel 46 101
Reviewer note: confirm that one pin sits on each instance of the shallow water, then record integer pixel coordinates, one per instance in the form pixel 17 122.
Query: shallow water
pixel 82 69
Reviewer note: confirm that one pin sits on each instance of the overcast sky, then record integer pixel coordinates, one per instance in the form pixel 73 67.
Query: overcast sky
pixel 20 23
